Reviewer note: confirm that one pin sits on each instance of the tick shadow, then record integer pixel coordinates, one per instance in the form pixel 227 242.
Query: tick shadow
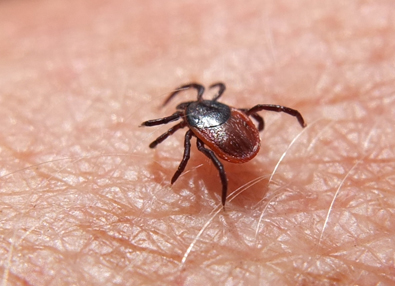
pixel 247 183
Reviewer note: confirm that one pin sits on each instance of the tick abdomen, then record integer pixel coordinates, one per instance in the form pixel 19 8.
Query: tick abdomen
pixel 236 140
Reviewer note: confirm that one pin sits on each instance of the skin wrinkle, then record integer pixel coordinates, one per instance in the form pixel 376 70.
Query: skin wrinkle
pixel 83 200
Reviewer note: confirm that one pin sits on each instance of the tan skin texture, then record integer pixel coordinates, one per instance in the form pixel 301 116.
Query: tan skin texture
pixel 85 201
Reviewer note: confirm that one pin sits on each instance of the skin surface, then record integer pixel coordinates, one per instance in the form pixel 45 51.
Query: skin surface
pixel 83 199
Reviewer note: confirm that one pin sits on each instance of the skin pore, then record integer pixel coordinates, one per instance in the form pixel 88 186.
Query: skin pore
pixel 85 201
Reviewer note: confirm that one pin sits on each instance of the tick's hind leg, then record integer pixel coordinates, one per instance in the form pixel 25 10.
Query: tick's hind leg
pixel 169 132
pixel 218 165
pixel 277 108
pixel 257 118
pixel 185 158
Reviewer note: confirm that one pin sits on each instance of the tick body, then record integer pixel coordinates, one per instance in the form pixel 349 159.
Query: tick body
pixel 228 132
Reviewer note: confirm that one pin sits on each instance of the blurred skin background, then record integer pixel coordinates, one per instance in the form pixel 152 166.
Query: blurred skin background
pixel 85 201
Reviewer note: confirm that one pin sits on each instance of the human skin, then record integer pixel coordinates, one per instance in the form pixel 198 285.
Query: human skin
pixel 83 199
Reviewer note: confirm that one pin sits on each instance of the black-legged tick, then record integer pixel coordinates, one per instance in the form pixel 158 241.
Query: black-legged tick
pixel 228 132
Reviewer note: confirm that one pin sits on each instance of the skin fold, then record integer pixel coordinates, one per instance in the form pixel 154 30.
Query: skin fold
pixel 85 201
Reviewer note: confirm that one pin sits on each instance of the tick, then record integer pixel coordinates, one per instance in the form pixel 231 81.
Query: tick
pixel 220 130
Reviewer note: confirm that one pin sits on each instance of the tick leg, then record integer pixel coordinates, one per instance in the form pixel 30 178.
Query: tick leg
pixel 277 108
pixel 218 165
pixel 257 117
pixel 185 158
pixel 169 132
pixel 221 90
pixel 184 105
pixel 163 120
pixel 198 87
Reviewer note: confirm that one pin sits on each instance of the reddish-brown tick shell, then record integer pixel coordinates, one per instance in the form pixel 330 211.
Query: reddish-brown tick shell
pixel 236 141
